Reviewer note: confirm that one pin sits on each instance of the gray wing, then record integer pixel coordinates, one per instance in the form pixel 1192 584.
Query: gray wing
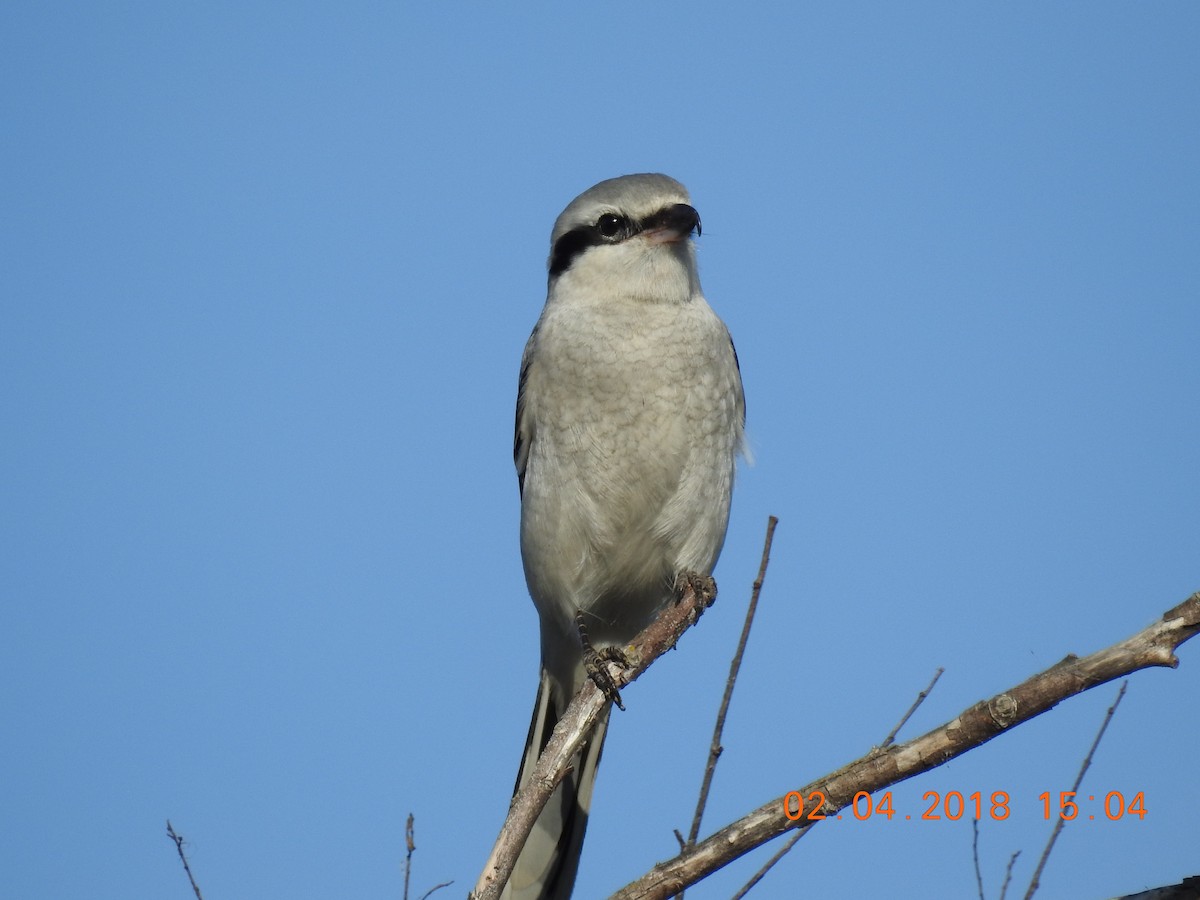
pixel 738 365
pixel 523 430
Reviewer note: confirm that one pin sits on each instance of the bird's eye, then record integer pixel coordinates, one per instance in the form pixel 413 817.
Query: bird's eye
pixel 610 225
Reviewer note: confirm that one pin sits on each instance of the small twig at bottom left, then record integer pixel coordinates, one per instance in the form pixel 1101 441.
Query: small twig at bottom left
pixel 178 839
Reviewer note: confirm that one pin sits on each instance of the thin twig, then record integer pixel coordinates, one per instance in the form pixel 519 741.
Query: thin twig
pixel 410 845
pixel 890 739
pixel 1008 870
pixel 1058 825
pixel 770 863
pixel 178 839
pixel 436 887
pixel 975 856
pixel 714 750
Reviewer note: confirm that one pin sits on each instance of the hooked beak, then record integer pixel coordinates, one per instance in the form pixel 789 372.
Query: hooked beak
pixel 672 224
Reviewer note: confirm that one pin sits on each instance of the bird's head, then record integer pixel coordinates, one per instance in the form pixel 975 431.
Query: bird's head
pixel 629 236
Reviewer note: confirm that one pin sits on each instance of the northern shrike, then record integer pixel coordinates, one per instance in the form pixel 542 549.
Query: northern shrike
pixel 629 418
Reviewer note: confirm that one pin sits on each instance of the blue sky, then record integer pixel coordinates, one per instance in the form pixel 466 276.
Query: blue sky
pixel 266 276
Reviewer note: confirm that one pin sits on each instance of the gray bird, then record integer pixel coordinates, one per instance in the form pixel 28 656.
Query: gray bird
pixel 630 415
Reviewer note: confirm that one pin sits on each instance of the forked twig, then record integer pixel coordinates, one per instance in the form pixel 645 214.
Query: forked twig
pixel 178 839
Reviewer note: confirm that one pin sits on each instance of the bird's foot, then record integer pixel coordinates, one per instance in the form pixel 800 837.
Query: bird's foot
pixel 703 586
pixel 594 663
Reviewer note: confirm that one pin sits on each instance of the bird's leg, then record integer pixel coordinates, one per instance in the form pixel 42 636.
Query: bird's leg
pixel 593 663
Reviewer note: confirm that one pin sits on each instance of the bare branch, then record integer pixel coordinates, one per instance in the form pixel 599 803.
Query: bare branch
pixel 1061 822
pixel 577 723
pixel 178 839
pixel 1153 646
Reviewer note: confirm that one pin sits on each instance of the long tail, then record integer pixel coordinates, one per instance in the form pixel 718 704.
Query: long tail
pixel 546 868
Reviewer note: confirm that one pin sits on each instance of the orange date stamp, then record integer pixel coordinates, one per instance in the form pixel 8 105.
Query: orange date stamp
pixel 955 805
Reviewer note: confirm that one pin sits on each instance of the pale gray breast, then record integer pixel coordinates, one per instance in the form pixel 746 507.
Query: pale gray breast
pixel 637 423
